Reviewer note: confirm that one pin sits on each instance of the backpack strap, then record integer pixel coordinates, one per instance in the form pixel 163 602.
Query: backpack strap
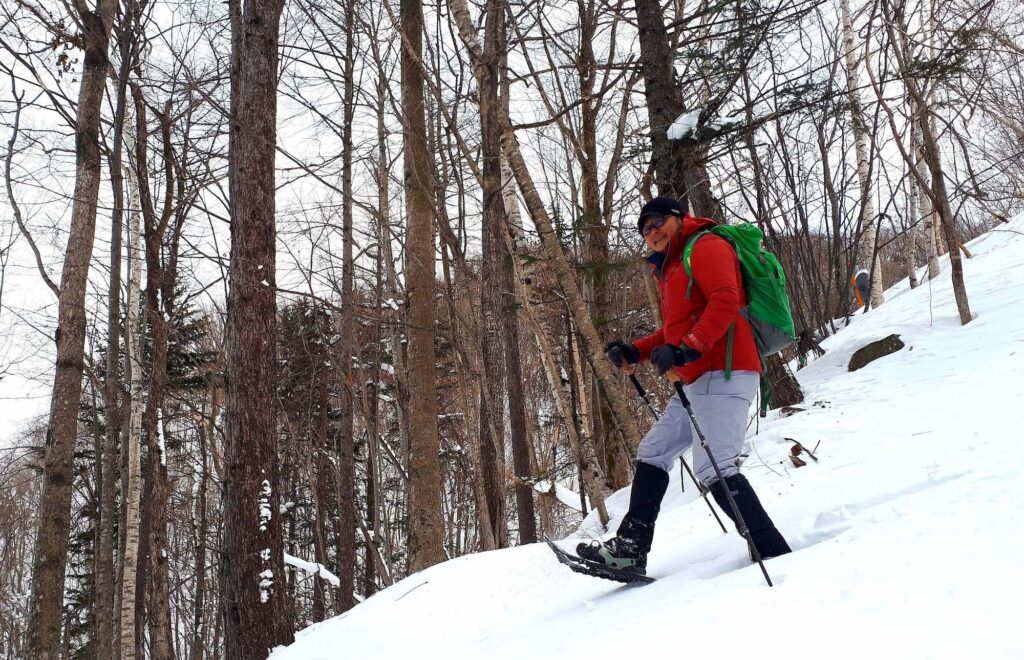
pixel 687 253
pixel 728 352
pixel 766 389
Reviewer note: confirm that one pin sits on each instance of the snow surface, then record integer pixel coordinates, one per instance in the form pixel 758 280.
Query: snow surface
pixel 907 533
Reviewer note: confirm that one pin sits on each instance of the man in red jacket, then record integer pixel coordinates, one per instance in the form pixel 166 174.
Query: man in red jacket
pixel 698 319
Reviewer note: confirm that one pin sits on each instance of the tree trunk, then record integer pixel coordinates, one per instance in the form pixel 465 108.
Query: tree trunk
pixel 392 317
pixel 47 596
pixel 105 583
pixel 158 311
pixel 679 167
pixel 785 389
pixel 664 102
pixel 913 206
pixel 207 438
pixel 426 528
pixel 860 136
pixel 468 360
pixel 928 212
pixel 254 579
pixel 133 477
pixel 492 388
pixel 522 445
pixel 371 407
pixel 933 158
pixel 346 541
pixel 322 460
pixel 595 244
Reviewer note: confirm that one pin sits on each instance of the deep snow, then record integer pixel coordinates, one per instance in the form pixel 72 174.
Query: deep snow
pixel 907 533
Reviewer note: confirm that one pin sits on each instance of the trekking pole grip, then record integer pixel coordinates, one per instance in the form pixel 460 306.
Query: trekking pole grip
pixel 677 381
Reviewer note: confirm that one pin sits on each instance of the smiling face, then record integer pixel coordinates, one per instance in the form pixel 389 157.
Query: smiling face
pixel 657 238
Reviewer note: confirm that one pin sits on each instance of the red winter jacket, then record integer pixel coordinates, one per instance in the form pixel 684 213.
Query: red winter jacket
pixel 702 320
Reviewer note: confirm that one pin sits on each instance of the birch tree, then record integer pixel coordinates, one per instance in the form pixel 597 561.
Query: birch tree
pixel 864 169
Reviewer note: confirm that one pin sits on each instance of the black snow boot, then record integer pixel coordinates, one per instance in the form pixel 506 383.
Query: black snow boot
pixel 628 550
pixel 766 538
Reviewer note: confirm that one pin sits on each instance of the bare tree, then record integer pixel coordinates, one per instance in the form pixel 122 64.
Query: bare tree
pixel 868 240
pixel 44 628
pixel 127 640
pixel 426 530
pixel 254 593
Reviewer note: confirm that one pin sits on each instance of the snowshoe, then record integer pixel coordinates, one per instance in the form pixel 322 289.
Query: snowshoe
pixel 593 569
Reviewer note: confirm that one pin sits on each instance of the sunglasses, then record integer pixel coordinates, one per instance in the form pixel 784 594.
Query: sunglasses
pixel 656 222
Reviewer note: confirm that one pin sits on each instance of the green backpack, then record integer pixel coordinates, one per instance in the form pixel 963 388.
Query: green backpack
pixel 764 282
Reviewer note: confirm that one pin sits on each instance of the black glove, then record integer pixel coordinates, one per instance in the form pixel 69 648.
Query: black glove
pixel 618 352
pixel 667 356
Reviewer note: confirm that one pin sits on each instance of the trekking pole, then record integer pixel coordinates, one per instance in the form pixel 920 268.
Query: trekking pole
pixel 701 488
pixel 741 525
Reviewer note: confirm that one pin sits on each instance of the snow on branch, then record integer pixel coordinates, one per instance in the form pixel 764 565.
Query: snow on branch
pixel 564 495
pixel 312 567
pixel 689 126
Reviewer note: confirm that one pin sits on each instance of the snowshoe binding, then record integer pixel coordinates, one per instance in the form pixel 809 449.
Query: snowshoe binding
pixel 619 552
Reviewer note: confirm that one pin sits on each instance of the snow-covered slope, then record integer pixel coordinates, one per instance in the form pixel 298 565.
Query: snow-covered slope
pixel 908 533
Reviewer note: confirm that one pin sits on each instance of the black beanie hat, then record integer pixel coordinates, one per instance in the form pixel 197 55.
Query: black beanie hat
pixel 661 206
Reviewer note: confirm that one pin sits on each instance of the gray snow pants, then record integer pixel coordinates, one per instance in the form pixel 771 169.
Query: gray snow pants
pixel 721 407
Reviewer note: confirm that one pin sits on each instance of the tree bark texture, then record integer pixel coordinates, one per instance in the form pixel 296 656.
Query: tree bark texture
pixel 254 580
pixel 522 444
pixel 928 213
pixel 107 462
pixel 133 478
pixel 492 414
pixel 47 596
pixel 913 207
pixel 346 497
pixel 158 301
pixel 426 528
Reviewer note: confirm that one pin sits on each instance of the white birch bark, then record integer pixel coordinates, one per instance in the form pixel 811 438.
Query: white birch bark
pixel 930 223
pixel 913 206
pixel 133 494
pixel 868 238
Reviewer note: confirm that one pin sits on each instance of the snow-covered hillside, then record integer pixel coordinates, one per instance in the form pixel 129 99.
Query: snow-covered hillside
pixel 907 535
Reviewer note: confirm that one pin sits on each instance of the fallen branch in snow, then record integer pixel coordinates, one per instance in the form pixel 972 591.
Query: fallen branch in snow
pixel 800 448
